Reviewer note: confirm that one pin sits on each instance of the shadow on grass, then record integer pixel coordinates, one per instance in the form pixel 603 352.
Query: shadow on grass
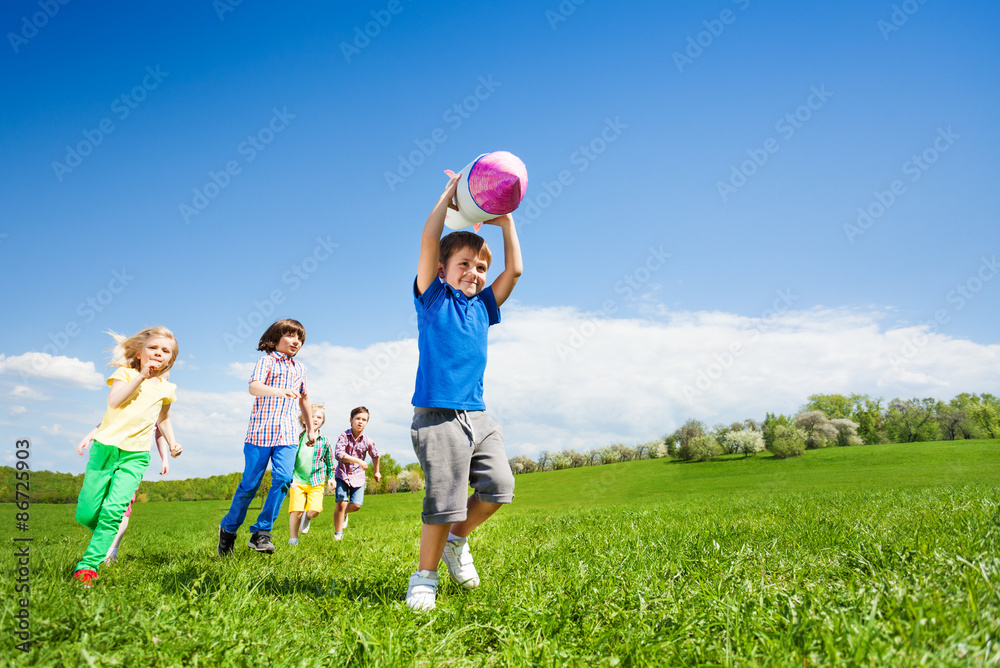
pixel 198 582
pixel 719 459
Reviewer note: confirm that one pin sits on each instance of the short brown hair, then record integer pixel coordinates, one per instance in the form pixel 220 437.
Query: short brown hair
pixel 360 409
pixel 269 341
pixel 456 241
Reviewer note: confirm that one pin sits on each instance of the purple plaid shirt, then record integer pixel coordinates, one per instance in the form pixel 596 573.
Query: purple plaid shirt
pixel 353 474
pixel 272 420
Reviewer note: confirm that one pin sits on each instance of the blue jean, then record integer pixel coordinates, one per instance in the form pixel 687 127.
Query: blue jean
pixel 345 492
pixel 282 458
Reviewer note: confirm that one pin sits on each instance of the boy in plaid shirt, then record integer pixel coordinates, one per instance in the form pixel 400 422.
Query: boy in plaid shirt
pixel 314 469
pixel 352 447
pixel 279 383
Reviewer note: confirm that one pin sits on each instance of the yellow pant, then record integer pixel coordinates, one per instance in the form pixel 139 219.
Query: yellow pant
pixel 305 497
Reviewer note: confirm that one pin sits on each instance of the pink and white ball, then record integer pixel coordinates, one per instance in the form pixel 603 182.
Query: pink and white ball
pixel 491 185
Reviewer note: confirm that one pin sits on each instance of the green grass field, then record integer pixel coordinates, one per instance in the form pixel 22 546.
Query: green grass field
pixel 880 555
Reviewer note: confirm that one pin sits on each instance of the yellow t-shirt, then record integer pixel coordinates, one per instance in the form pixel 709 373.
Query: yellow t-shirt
pixel 130 426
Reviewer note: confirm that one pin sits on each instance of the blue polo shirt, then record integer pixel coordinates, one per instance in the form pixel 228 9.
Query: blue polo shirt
pixel 451 340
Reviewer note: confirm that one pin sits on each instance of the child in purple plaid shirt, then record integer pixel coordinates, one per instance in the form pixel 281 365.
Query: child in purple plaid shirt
pixel 278 382
pixel 352 447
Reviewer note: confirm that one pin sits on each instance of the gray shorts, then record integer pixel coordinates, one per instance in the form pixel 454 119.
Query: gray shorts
pixel 456 450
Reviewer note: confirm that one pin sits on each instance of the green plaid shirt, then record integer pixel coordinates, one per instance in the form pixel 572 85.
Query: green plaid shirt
pixel 323 466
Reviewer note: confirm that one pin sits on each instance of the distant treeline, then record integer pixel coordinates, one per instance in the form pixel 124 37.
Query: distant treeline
pixel 826 420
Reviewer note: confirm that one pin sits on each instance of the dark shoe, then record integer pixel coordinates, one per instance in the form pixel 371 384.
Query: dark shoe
pixel 261 541
pixel 226 542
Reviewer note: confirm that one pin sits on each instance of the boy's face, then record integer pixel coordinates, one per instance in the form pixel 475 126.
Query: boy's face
pixel 318 418
pixel 464 271
pixel 289 344
pixel 358 423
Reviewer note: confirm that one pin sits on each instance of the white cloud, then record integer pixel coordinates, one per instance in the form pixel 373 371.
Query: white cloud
pixel 560 378
pixel 25 392
pixel 17 410
pixel 56 368
pixel 240 369
pixel 53 430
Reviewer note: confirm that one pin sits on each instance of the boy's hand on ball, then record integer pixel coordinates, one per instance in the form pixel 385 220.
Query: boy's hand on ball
pixel 451 189
pixel 500 221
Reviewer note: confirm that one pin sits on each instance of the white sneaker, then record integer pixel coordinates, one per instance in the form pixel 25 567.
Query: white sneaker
pixel 338 535
pixel 304 523
pixel 459 562
pixel 422 591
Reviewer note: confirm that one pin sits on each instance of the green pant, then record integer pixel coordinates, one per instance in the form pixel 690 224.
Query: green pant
pixel 112 477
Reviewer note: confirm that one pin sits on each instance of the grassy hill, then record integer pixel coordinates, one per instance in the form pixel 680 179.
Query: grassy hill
pixel 880 555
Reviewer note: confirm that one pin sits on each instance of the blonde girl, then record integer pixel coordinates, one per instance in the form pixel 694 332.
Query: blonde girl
pixel 138 401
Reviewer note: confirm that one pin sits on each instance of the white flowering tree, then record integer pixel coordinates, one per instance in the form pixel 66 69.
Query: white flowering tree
pixel 747 441
pixel 819 432
pixel 847 431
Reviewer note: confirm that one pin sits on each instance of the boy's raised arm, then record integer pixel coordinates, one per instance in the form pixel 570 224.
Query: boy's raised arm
pixel 513 266
pixel 430 240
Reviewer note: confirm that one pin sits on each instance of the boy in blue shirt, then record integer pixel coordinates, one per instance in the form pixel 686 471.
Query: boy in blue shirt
pixel 456 442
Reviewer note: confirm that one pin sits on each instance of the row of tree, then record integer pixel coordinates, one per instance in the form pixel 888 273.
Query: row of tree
pixel 838 420
pixel 825 420
pixel 966 416
pixel 568 459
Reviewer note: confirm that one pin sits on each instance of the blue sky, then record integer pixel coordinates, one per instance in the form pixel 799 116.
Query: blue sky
pixel 642 268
